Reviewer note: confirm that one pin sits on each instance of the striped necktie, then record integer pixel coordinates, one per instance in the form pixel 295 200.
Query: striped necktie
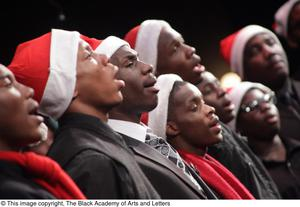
pixel 168 151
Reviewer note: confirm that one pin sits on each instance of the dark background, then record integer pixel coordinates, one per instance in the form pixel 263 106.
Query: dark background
pixel 202 23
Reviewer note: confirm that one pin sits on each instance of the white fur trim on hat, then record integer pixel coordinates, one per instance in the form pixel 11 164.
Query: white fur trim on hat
pixel 238 47
pixel 60 86
pixel 110 45
pixel 282 16
pixel 157 119
pixel 147 41
pixel 237 94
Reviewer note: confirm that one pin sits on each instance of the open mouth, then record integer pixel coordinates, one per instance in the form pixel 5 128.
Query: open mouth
pixel 33 108
pixel 277 63
pixel 33 111
pixel 150 85
pixel 271 118
pixel 120 83
pixel 214 122
pixel 198 68
pixel 215 126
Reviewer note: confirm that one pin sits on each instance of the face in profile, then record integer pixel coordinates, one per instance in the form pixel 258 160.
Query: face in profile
pixel 258 111
pixel 140 95
pixel 19 123
pixel 175 56
pixel 264 61
pixel 214 95
pixel 97 84
pixel 195 121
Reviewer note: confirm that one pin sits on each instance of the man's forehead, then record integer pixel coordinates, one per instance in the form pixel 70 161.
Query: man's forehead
pixel 125 50
pixel 208 77
pixel 4 70
pixel 262 35
pixel 170 34
pixel 188 92
pixel 83 44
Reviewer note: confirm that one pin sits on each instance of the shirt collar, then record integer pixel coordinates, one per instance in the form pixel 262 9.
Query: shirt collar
pixel 130 129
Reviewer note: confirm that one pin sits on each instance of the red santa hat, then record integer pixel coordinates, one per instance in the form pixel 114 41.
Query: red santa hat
pixel 236 95
pixel 93 42
pixel 282 17
pixel 232 47
pixel 144 39
pixel 48 65
pixel 107 47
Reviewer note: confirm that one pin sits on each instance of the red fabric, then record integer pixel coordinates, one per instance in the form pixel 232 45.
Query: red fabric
pixel 25 60
pixel 93 42
pixel 217 176
pixel 46 173
pixel 228 89
pixel 274 26
pixel 144 118
pixel 226 46
pixel 131 36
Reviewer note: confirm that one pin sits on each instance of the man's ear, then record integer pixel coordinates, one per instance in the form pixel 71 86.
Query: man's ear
pixel 172 129
pixel 75 94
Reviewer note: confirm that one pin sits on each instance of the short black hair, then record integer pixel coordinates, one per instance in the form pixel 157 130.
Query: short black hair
pixel 177 85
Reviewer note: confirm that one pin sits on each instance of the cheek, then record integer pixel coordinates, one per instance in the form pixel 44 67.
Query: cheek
pixel 256 64
pixel 11 106
pixel 193 125
pixel 211 100
pixel 250 120
pixel 133 87
pixel 256 70
pixel 178 63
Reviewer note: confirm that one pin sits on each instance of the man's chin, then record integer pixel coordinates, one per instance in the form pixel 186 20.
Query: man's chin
pixel 150 107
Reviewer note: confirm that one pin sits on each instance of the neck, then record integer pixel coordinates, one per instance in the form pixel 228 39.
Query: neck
pixel 272 149
pixel 278 85
pixel 78 107
pixel 125 116
pixel 179 143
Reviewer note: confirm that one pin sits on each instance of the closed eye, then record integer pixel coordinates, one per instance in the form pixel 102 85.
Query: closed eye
pixel 6 81
pixel 270 41
pixel 194 107
pixel 129 64
pixel 89 54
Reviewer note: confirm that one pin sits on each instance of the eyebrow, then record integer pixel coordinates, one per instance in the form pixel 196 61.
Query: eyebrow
pixel 174 41
pixel 89 48
pixel 195 99
pixel 181 39
pixel 129 57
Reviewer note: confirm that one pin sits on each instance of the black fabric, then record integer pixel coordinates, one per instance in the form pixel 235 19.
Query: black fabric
pixel 288 104
pixel 16 184
pixel 286 174
pixel 169 180
pixel 234 153
pixel 98 160
pixel 293 55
